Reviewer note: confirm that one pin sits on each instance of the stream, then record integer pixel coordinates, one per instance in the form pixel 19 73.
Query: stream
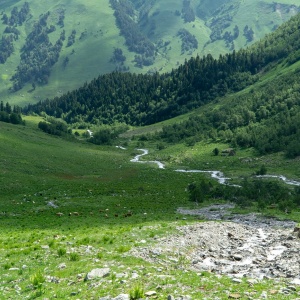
pixel 218 175
pixel 240 246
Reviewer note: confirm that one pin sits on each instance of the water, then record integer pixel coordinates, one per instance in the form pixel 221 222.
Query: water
pixel 218 175
pixel 136 159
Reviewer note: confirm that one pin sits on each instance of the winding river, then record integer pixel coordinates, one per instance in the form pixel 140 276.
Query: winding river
pixel 218 175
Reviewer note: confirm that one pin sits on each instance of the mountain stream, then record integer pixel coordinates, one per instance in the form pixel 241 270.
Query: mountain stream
pixel 241 245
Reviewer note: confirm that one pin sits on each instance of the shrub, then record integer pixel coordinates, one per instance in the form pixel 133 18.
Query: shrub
pixel 74 256
pixel 136 293
pixel 61 251
pixel 37 280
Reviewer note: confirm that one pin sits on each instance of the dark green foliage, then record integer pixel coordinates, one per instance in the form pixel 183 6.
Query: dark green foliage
pixel 6 48
pixel 17 17
pixel 262 192
pixel 221 18
pixel 71 38
pixel 103 137
pixel 189 41
pixel 38 55
pixel 118 56
pixel 216 151
pixel 106 136
pixel 61 18
pixel 266 118
pixel 199 191
pixel 9 115
pixel 54 127
pixel 262 170
pixel 135 40
pixel 248 33
pixel 188 13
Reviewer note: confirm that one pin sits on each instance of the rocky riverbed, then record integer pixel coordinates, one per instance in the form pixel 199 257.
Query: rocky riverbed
pixel 238 246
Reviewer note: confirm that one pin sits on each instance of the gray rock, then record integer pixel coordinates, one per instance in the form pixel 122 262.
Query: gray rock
pixel 122 297
pixel 62 266
pixel 150 293
pixel 97 273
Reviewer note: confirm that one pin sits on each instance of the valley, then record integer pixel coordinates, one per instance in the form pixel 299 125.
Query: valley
pixel 63 213
pixel 149 149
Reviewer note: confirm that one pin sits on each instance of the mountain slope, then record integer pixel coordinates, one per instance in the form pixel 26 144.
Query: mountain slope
pixel 96 41
pixel 261 83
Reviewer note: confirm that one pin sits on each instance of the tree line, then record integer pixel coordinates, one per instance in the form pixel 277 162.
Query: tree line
pixel 10 114
pixel 137 99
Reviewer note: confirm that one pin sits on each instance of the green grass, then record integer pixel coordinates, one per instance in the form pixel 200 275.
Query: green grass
pixel 102 185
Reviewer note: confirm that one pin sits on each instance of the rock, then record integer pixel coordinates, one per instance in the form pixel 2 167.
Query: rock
pixel 150 294
pixel 296 281
pixel 13 269
pixel 97 273
pixel 234 296
pixel 122 297
pixel 264 295
pixel 135 275
pixel 273 292
pixel 170 297
pixel 237 257
pixel 62 266
pixel 236 280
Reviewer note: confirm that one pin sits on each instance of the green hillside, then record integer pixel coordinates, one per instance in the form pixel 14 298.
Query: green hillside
pixel 248 98
pixel 173 30
pixel 68 206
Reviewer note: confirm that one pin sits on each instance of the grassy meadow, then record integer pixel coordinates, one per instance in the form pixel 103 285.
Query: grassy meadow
pixel 115 205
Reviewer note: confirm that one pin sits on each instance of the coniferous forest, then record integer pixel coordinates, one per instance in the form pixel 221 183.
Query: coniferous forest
pixel 249 120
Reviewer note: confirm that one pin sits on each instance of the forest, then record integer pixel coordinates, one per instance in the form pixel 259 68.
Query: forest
pixel 10 114
pixel 137 99
pixel 38 55
pixel 135 40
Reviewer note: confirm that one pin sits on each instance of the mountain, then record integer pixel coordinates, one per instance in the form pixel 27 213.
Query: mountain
pixel 47 49
pixel 248 97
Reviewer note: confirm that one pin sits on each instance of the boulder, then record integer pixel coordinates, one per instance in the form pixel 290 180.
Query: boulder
pixel 97 273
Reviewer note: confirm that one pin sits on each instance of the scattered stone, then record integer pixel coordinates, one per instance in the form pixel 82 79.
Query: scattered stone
pixel 13 269
pixel 249 245
pixel 150 294
pixel 296 281
pixel 273 292
pixel 62 266
pixel 234 296
pixel 264 295
pixel 135 275
pixel 45 247
pixel 236 280
pixel 122 297
pixel 97 273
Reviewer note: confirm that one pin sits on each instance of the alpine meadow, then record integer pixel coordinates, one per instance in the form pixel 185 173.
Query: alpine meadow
pixel 149 149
